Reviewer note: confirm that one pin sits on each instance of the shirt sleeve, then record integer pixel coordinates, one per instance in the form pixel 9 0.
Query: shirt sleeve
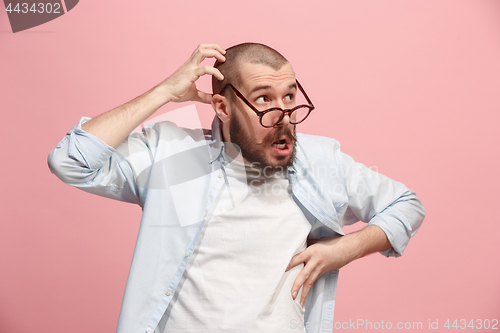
pixel 381 201
pixel 88 163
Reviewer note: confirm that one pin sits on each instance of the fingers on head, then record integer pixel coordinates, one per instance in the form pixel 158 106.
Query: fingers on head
pixel 213 46
pixel 203 52
pixel 203 70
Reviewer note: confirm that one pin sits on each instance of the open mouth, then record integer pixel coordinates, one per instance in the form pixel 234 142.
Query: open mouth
pixel 280 144
pixel 283 144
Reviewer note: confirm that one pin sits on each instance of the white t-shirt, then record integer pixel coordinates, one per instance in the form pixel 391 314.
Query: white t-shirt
pixel 236 280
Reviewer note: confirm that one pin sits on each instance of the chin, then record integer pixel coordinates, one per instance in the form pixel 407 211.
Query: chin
pixel 281 161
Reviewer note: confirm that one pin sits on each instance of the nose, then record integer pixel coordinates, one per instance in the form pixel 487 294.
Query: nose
pixel 285 121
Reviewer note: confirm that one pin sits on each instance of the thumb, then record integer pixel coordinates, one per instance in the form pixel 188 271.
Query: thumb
pixel 299 258
pixel 203 97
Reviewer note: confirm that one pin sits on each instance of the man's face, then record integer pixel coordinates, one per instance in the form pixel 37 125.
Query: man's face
pixel 264 88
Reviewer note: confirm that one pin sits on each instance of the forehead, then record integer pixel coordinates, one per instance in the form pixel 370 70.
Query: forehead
pixel 252 75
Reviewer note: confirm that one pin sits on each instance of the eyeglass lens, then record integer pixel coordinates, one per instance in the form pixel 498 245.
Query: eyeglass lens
pixel 273 117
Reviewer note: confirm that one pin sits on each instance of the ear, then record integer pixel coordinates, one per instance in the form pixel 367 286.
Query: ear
pixel 222 107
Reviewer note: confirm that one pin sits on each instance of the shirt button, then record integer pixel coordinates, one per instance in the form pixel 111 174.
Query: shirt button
pixel 186 254
pixel 167 293
pixel 148 330
pixel 204 213
pixel 220 174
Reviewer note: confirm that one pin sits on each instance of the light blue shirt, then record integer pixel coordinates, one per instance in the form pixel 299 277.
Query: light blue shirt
pixel 176 174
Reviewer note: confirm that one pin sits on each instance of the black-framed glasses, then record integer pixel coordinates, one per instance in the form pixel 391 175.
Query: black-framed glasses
pixel 273 116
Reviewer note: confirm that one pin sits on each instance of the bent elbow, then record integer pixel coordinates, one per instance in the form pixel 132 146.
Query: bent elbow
pixel 55 164
pixel 64 167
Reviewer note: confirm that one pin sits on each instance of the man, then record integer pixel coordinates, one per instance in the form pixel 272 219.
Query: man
pixel 227 212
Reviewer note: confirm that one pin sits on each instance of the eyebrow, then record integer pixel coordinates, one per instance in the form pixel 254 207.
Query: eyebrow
pixel 267 87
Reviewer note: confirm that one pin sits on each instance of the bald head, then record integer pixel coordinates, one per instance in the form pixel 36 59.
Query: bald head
pixel 253 53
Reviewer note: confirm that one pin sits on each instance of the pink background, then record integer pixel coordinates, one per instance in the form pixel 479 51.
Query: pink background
pixel 409 87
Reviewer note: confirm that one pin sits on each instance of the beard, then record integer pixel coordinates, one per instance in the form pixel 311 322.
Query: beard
pixel 254 152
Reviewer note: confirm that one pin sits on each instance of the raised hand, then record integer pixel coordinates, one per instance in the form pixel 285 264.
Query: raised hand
pixel 115 125
pixel 181 87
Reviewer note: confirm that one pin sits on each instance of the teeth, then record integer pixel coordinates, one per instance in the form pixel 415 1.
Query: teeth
pixel 280 146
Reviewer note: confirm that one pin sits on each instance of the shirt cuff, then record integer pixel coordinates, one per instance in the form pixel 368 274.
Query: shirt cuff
pixel 396 233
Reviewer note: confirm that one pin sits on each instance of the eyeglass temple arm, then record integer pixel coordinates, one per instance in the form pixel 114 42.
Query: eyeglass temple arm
pixel 305 95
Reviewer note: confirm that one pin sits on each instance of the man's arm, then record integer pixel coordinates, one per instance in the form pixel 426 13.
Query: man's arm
pixel 331 253
pixel 394 214
pixel 114 126
pixel 99 156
